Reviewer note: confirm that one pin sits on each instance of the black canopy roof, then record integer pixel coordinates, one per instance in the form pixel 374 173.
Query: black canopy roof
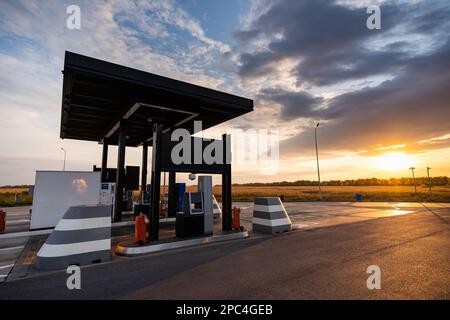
pixel 97 95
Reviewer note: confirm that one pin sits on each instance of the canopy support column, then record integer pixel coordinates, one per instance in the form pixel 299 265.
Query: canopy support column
pixel 156 184
pixel 144 166
pixel 104 161
pixel 172 192
pixel 120 175
pixel 226 184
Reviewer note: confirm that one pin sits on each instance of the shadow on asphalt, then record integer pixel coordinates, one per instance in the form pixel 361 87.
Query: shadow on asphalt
pixel 125 276
pixel 52 285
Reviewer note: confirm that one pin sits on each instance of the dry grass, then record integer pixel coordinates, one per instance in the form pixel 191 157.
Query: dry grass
pixel 13 190
pixel 337 193
pixel 8 197
pixel 291 193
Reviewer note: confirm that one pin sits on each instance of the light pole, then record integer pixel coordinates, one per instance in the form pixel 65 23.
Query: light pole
pixel 317 158
pixel 414 179
pixel 429 180
pixel 64 163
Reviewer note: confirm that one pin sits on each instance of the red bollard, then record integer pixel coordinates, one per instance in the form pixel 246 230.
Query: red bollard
pixel 140 229
pixel 2 221
pixel 236 219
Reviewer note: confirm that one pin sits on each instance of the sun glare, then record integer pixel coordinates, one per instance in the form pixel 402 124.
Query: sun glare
pixel 394 161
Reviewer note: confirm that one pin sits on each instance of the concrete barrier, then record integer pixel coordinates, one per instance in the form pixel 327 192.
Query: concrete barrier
pixel 82 236
pixel 270 216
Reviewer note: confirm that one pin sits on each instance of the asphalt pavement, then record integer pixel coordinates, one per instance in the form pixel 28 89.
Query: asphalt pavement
pixel 321 259
pixel 17 220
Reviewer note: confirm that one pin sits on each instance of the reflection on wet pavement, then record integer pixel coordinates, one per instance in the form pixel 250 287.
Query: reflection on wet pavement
pixel 308 215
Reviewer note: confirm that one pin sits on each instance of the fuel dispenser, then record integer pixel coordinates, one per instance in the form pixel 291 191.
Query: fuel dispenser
pixel 190 222
pixel 144 205
pixel 196 219
pixel 107 195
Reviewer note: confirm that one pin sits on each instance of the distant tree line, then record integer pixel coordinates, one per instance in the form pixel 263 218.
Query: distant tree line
pixel 435 181
pixel 22 186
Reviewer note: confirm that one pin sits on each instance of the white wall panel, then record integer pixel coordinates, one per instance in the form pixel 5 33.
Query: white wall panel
pixel 56 191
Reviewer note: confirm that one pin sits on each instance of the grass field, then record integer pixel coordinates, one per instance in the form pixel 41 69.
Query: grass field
pixel 290 193
pixel 8 197
pixel 338 193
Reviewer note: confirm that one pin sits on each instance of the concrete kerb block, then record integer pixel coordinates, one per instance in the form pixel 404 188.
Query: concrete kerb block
pixel 270 216
pixel 82 236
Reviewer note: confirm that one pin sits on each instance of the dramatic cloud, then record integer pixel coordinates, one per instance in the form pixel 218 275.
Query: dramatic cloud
pixel 157 36
pixel 411 107
pixel 302 61
pixel 373 88
pixel 326 37
pixel 295 104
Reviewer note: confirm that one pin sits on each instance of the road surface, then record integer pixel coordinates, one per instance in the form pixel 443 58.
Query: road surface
pixel 325 260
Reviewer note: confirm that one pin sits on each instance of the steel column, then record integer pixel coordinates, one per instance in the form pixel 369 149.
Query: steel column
pixel 144 166
pixel 172 191
pixel 105 161
pixel 120 175
pixel 226 185
pixel 156 184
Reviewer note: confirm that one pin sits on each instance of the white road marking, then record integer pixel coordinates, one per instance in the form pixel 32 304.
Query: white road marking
pixel 7 266
pixel 48 231
pixel 16 222
pixel 24 234
pixel 11 248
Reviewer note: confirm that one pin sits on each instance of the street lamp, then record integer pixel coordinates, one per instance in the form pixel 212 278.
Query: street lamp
pixel 429 180
pixel 317 158
pixel 414 179
pixel 64 163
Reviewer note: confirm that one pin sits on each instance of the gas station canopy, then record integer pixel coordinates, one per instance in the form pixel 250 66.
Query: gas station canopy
pixel 118 105
pixel 98 95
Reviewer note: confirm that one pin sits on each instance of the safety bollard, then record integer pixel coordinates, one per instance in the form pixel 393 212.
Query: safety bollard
pixel 2 221
pixel 140 229
pixel 236 220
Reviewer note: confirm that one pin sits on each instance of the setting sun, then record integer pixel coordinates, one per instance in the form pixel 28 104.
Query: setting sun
pixel 394 161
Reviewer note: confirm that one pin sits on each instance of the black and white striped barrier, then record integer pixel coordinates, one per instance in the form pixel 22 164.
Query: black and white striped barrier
pixel 82 236
pixel 270 216
pixel 217 213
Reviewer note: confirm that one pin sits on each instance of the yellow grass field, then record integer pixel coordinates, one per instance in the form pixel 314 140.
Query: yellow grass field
pixel 337 193
pixel 8 198
pixel 292 193
pixel 13 190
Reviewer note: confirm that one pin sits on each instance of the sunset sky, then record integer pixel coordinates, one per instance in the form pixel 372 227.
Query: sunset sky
pixel 382 97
